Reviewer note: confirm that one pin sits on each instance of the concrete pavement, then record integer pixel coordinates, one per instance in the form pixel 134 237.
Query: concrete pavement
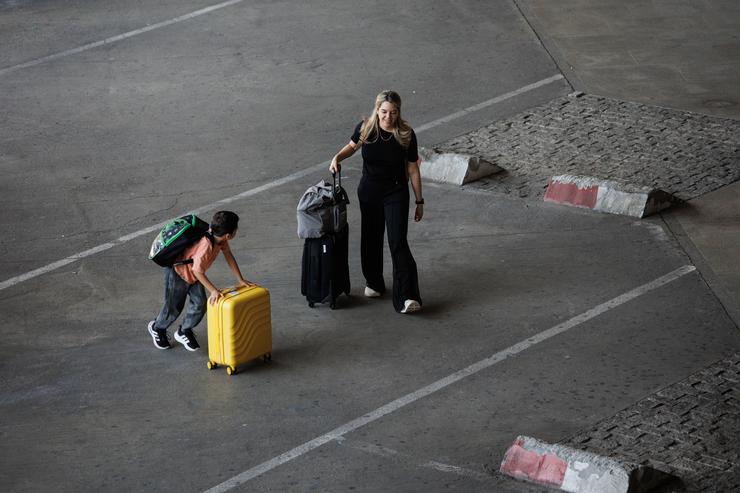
pixel 686 60
pixel 709 230
pixel 677 54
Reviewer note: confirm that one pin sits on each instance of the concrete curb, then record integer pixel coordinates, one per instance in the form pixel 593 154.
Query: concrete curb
pixel 450 167
pixel 606 195
pixel 567 469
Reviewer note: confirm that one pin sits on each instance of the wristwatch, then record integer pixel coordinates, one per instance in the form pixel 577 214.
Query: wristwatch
pixel 420 202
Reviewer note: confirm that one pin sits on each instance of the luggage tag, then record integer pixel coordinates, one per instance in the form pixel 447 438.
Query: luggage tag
pixel 234 290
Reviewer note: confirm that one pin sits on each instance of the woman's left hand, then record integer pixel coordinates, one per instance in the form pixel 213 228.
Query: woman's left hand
pixel 419 212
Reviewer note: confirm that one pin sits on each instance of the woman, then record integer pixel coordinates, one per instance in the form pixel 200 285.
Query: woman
pixel 389 160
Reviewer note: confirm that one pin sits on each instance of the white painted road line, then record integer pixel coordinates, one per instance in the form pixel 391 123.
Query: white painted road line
pixel 262 188
pixel 490 102
pixel 401 402
pixel 151 229
pixel 397 456
pixel 119 37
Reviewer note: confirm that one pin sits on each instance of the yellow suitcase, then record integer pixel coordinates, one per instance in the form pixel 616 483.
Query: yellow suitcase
pixel 239 328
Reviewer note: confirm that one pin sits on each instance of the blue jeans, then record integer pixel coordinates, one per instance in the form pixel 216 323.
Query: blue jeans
pixel 176 290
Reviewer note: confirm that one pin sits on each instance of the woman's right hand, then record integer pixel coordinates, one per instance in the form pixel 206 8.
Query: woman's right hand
pixel 345 153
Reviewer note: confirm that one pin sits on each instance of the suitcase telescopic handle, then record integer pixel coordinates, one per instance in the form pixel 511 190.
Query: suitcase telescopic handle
pixel 336 176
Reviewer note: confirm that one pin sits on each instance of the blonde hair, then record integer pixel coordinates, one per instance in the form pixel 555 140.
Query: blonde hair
pixel 370 130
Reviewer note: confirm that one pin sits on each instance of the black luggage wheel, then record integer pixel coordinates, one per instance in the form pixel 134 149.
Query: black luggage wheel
pixel 311 304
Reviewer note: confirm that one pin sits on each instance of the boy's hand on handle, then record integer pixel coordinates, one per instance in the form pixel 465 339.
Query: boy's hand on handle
pixel 214 296
pixel 213 293
pixel 246 284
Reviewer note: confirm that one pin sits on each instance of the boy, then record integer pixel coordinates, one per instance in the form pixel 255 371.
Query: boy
pixel 189 279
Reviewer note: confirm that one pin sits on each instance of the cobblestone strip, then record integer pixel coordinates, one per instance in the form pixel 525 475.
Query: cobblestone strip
pixel 690 429
pixel 682 153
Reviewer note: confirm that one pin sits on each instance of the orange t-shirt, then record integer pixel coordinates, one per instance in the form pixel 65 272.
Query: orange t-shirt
pixel 203 254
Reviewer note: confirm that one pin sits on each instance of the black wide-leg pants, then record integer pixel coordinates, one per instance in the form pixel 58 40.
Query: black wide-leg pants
pixel 388 211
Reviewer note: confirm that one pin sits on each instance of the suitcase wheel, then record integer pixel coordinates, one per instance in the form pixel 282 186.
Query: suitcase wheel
pixel 310 304
pixel 211 365
pixel 267 357
pixel 333 305
pixel 231 370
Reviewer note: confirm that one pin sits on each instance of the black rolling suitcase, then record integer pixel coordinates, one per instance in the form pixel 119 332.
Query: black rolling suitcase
pixel 325 273
pixel 322 222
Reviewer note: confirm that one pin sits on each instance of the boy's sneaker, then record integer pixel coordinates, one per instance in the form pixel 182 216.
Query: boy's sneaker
pixel 159 336
pixel 187 339
pixel 371 293
pixel 411 306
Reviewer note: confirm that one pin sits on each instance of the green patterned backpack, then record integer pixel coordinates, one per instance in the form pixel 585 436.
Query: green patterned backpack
pixel 175 237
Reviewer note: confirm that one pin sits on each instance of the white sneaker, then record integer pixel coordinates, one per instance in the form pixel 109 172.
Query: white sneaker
pixel 371 293
pixel 411 306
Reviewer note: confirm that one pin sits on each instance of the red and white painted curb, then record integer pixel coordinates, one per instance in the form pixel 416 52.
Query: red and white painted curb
pixel 606 195
pixel 563 468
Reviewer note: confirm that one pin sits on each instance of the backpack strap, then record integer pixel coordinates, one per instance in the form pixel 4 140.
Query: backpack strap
pixel 187 261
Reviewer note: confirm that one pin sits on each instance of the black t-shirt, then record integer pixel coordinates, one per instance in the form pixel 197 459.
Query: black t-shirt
pixel 384 159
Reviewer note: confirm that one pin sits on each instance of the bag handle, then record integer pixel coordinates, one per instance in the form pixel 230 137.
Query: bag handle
pixel 334 176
